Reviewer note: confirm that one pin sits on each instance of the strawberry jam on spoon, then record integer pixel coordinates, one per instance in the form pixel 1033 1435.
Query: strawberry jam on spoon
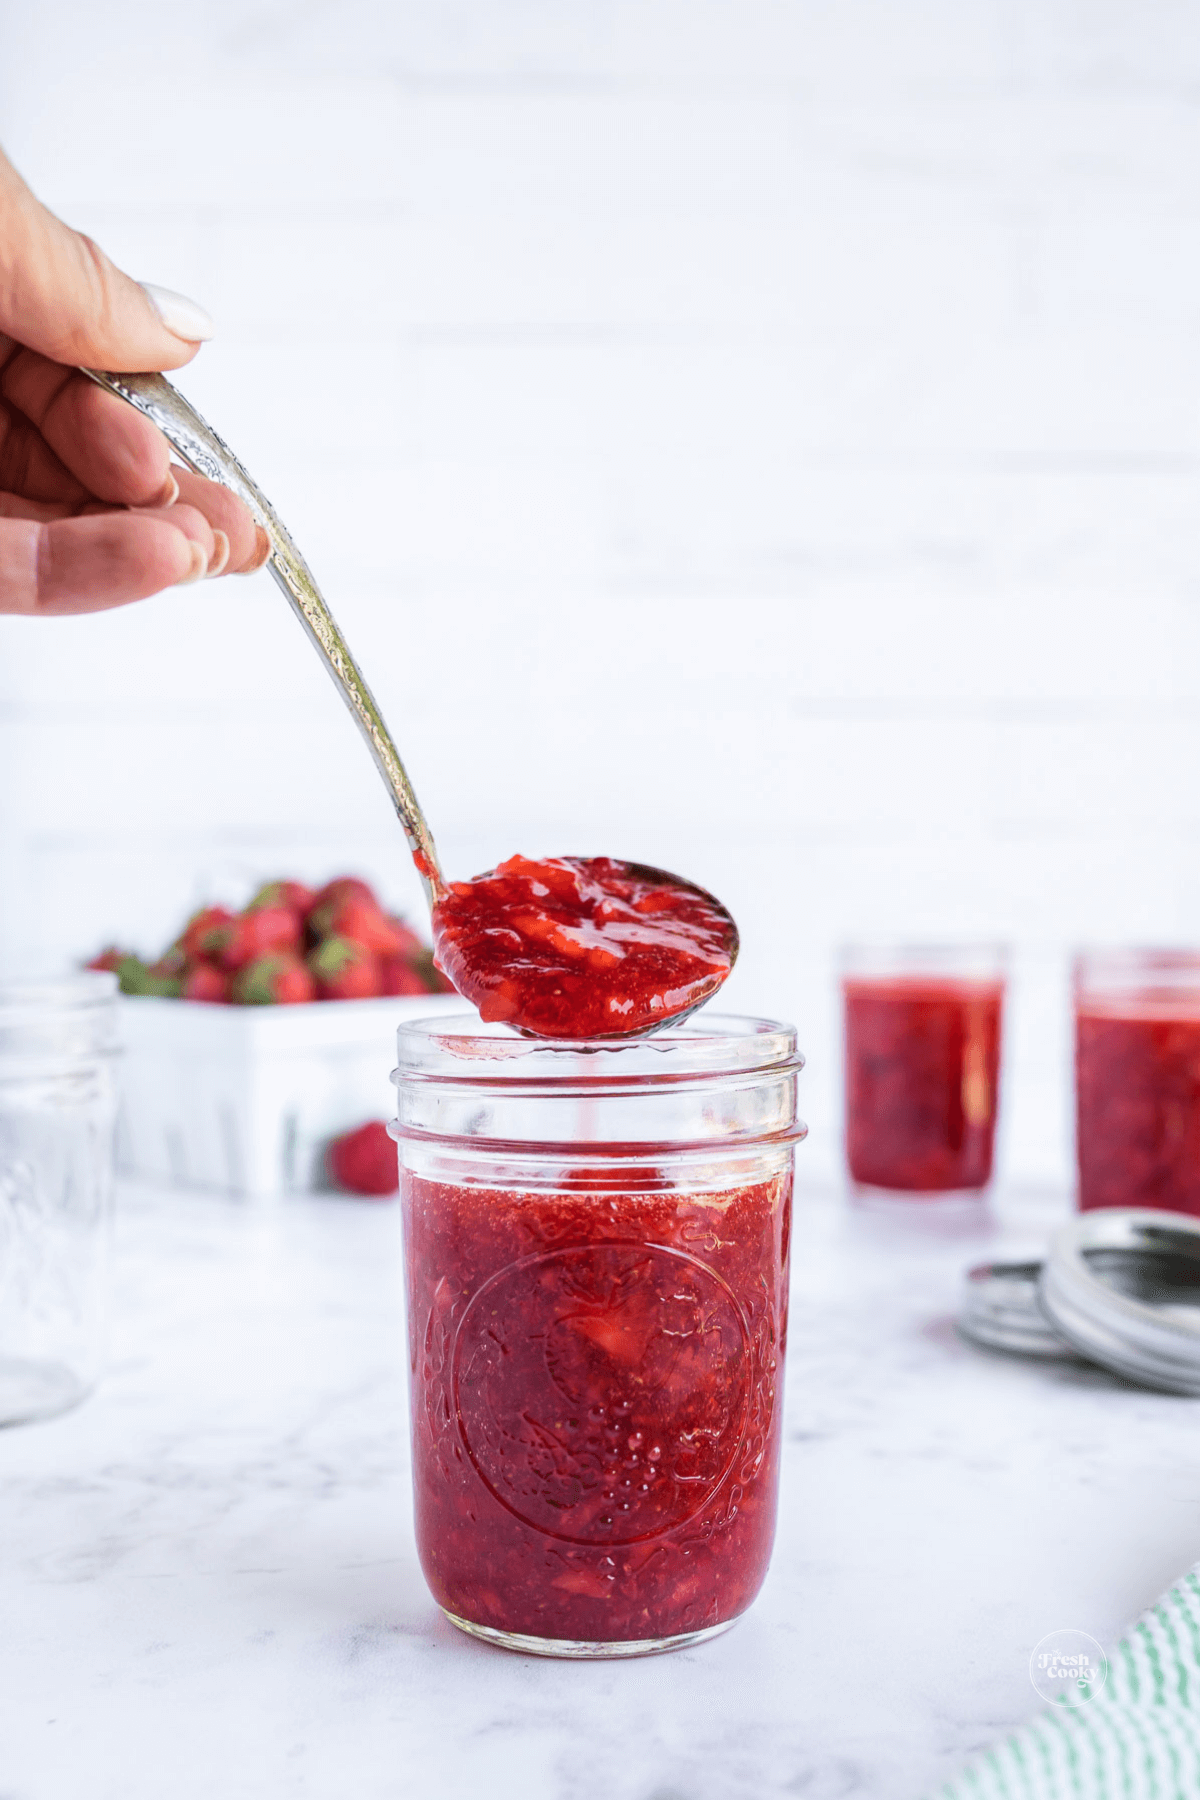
pixel 583 946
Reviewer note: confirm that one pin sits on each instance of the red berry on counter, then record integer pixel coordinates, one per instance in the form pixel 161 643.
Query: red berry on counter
pixel 280 979
pixel 345 970
pixel 255 934
pixel 364 1161
pixel 206 982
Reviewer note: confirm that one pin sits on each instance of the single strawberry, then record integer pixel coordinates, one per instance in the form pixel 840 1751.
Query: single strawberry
pixel 292 894
pixel 362 921
pixel 131 972
pixel 280 979
pixel 410 943
pixel 425 963
pixel 344 970
pixel 415 972
pixel 206 982
pixel 364 1161
pixel 343 885
pixel 398 976
pixel 206 932
pixel 261 933
pixel 111 960
pixel 172 965
pixel 150 982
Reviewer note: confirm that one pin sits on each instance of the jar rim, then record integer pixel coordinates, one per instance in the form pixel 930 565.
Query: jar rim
pixel 980 959
pixel 84 988
pixel 1123 961
pixel 1133 982
pixel 462 1048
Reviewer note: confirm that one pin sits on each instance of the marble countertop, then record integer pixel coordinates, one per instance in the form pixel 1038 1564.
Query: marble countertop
pixel 208 1586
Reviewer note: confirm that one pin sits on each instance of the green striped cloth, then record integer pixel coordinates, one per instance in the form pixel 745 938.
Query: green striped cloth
pixel 1140 1736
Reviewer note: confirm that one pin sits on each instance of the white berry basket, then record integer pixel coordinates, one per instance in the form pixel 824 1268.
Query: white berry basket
pixel 245 1099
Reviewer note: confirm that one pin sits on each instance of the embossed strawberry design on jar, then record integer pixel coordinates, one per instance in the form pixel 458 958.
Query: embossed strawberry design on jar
pixel 596 1252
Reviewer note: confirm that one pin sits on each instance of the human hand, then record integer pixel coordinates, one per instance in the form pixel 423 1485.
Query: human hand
pixel 92 512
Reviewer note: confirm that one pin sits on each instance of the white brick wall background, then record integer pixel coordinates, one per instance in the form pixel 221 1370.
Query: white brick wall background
pixel 755 436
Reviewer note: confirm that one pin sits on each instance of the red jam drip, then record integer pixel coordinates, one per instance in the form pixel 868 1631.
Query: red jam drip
pixel 1137 1087
pixel 596 1387
pixel 581 946
pixel 922 1066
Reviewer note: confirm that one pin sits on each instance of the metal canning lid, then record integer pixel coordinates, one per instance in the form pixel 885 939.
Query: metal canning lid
pixel 1124 1288
pixel 999 1309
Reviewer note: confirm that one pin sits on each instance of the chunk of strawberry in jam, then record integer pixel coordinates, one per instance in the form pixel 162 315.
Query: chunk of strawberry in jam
pixel 582 946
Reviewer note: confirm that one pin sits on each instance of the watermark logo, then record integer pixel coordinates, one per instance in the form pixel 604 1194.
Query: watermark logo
pixel 1068 1668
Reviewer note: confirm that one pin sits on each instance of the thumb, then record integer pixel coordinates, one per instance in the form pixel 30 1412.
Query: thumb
pixel 60 295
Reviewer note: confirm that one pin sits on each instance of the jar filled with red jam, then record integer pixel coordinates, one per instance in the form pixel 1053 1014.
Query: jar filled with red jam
pixel 596 1255
pixel 922 1067
pixel 1137 1078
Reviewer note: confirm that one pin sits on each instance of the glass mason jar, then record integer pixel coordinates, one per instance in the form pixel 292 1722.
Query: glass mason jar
pixel 1137 1078
pixel 922 1066
pixel 596 1254
pixel 57 1111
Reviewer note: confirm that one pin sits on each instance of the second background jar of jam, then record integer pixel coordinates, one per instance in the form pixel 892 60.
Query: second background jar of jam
pixel 1137 1078
pixel 596 1252
pixel 922 1039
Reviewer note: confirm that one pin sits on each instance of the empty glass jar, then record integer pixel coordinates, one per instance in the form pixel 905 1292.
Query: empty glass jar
pixel 57 1111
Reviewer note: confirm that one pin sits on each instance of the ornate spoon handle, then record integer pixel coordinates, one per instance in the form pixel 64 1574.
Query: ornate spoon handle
pixel 198 445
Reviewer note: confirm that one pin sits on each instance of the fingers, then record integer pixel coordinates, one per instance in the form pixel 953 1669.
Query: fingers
pixel 111 450
pixel 60 295
pixel 64 439
pixel 87 564
pixel 29 468
pixel 191 523
pixel 249 545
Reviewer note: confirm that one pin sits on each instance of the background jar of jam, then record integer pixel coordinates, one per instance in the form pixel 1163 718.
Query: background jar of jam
pixel 596 1255
pixel 1137 1078
pixel 922 1027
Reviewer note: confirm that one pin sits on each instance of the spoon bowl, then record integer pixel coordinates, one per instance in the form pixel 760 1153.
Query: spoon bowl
pixel 733 943
pixel 583 947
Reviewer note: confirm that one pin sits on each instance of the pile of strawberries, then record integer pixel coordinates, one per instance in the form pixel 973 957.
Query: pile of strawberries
pixel 290 944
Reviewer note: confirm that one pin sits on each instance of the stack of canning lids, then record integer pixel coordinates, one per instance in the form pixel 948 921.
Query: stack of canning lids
pixel 1119 1289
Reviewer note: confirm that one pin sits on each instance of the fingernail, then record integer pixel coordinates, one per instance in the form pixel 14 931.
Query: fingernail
pixel 261 553
pixel 181 316
pixel 169 494
pixel 220 555
pixel 198 569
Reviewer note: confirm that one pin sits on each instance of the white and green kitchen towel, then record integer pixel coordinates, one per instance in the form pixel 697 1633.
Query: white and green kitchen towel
pixel 1138 1738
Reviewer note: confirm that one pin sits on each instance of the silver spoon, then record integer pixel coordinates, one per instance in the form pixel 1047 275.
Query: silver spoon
pixel 198 445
